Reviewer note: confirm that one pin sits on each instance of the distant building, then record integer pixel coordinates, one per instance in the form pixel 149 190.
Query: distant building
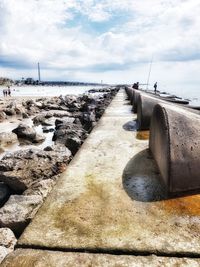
pixel 29 81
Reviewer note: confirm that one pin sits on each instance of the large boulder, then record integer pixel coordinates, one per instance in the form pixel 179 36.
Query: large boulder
pixel 9 111
pixel 5 192
pixel 25 131
pixel 73 142
pixel 73 103
pixel 20 169
pixel 7 242
pixel 18 108
pixel 71 135
pixel 88 120
pixel 54 103
pixel 18 212
pixel 28 133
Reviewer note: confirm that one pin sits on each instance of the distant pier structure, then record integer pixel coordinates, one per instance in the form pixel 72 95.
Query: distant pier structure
pixel 39 77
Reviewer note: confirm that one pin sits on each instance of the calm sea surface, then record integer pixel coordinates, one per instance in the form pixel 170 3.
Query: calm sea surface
pixel 191 92
pixel 47 90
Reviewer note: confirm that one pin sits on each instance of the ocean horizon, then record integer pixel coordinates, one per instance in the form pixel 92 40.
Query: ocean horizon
pixel 189 92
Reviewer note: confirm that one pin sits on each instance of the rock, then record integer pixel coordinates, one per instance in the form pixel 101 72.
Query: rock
pixel 5 192
pixel 65 121
pixel 21 168
pixel 31 107
pixel 39 104
pixel 41 188
pixel 41 119
pixel 73 142
pixel 48 148
pixel 10 111
pixel 49 114
pixel 88 120
pixel 25 131
pixel 62 153
pixel 2 116
pixel 7 139
pixel 18 211
pixel 71 135
pixel 28 133
pixel 77 121
pixel 73 103
pixel 39 138
pixel 60 114
pixel 30 103
pixel 3 253
pixel 54 103
pixel 7 242
pixel 25 115
pixel 19 108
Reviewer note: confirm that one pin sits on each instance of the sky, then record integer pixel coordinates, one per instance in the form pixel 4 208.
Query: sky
pixel 94 40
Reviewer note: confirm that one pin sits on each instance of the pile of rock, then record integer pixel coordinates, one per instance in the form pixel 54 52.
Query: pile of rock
pixel 27 176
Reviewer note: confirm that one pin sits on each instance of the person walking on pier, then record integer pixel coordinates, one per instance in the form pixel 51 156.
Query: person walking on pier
pixel 155 87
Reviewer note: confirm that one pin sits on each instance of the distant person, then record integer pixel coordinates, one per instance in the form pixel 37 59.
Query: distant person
pixel 9 91
pixel 136 86
pixel 4 92
pixel 155 87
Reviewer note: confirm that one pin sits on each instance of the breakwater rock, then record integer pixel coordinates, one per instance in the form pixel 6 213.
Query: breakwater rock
pixel 28 174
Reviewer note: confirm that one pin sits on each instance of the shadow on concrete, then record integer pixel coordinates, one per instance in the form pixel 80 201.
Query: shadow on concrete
pixel 141 179
pixel 131 126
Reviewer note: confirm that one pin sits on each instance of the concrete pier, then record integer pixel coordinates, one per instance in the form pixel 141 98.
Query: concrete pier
pixel 110 208
pixel 175 133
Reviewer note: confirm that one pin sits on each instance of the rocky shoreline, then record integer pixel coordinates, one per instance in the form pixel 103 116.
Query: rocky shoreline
pixel 28 174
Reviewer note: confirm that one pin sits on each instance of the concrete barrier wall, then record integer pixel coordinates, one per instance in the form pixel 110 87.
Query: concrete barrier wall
pixel 135 98
pixel 129 92
pixel 175 146
pixel 145 106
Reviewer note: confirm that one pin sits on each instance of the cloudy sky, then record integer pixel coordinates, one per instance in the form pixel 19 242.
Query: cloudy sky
pixel 94 40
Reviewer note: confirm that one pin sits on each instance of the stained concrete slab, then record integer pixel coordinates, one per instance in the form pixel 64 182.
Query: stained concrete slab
pixel 42 258
pixel 111 199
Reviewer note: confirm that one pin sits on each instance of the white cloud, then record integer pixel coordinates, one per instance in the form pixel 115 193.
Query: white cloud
pixel 46 31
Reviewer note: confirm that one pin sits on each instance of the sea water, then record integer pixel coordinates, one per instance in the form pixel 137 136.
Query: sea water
pixel 189 92
pixel 45 91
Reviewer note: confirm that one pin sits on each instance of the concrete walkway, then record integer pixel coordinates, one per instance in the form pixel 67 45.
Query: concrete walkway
pixel 110 201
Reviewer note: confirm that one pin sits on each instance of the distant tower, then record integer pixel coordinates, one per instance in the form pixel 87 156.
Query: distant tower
pixel 39 79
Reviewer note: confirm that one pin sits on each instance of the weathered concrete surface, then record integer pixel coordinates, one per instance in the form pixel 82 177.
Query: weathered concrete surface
pixel 42 258
pixel 103 201
pixel 129 92
pixel 135 98
pixel 175 133
pixel 145 105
